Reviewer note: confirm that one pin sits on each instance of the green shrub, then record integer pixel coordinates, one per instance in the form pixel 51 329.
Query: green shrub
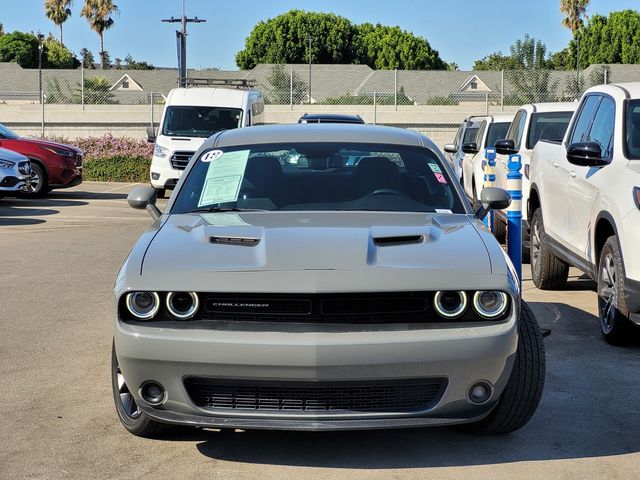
pixel 120 168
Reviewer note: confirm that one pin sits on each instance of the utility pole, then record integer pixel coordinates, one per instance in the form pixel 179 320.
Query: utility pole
pixel 40 48
pixel 181 37
pixel 309 54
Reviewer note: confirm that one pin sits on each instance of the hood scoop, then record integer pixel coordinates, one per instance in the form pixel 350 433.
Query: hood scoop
pixel 397 240
pixel 236 241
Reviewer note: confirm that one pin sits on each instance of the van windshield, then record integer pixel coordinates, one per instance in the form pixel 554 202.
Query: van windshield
pixel 194 121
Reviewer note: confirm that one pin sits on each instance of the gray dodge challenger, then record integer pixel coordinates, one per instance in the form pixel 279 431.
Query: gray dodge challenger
pixel 321 277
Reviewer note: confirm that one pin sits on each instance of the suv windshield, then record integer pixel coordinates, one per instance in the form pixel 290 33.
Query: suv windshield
pixel 548 126
pixel 6 133
pixel 191 121
pixel 319 176
pixel 633 130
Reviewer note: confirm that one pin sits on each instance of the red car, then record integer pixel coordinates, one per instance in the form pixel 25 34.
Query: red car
pixel 53 165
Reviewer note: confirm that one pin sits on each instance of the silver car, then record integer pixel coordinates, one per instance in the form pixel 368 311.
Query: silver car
pixel 321 294
pixel 15 172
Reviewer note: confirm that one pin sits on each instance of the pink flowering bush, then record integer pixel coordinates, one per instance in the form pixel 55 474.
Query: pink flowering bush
pixel 110 146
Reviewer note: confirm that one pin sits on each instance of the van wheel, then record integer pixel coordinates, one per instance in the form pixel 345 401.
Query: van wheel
pixel 130 415
pixel 522 394
pixel 612 306
pixel 547 270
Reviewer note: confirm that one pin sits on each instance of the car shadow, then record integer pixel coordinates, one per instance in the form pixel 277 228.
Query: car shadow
pixel 83 195
pixel 576 417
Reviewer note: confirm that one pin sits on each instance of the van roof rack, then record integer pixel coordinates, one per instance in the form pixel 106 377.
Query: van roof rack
pixel 220 82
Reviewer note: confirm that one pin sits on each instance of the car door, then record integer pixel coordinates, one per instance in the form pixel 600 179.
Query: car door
pixel 556 211
pixel 581 191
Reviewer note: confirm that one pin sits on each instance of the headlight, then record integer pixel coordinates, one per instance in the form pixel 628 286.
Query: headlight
pixel 160 151
pixel 24 168
pixel 59 151
pixel 6 164
pixel 143 305
pixel 182 305
pixel 450 304
pixel 490 304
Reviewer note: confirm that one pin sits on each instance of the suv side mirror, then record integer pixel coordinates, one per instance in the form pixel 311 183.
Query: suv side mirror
pixel 505 147
pixel 144 198
pixel 586 154
pixel 450 148
pixel 151 134
pixel 470 147
pixel 492 198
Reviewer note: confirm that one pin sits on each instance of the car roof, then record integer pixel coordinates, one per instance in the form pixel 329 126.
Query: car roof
pixel 330 118
pixel 323 132
pixel 617 89
pixel 551 107
pixel 494 118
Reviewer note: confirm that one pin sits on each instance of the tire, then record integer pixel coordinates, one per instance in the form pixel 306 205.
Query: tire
pixel 499 229
pixel 161 192
pixel 547 270
pixel 613 312
pixel 134 420
pixel 522 394
pixel 39 181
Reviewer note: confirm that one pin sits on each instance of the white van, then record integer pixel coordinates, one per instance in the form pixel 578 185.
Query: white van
pixel 191 115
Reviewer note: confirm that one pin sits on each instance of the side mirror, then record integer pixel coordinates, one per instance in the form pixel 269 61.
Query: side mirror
pixel 492 198
pixel 144 198
pixel 586 154
pixel 450 148
pixel 470 147
pixel 505 147
pixel 151 134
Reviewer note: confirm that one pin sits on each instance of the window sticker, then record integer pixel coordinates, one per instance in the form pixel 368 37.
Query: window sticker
pixel 435 168
pixel 211 155
pixel 224 219
pixel 224 177
pixel 440 178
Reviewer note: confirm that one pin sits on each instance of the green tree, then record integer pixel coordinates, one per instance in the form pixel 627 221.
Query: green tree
pixel 97 90
pixel 131 64
pixel 58 12
pixel 280 87
pixel 87 58
pixel 98 13
pixel 58 56
pixel 1 29
pixel 21 48
pixel 497 61
pixel 334 39
pixel 532 82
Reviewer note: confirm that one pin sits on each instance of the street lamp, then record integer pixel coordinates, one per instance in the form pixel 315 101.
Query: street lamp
pixel 40 48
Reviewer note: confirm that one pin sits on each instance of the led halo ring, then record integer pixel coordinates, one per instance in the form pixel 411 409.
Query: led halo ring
pixel 136 313
pixel 195 303
pixel 482 311
pixel 457 312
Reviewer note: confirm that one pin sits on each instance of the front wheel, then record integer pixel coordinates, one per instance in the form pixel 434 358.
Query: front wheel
pixel 39 183
pixel 612 307
pixel 522 394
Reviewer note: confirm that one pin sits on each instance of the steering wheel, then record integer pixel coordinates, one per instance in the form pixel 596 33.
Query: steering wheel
pixel 387 191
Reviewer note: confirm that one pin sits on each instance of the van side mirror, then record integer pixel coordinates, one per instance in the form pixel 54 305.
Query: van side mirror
pixel 586 154
pixel 470 147
pixel 144 198
pixel 492 198
pixel 450 148
pixel 151 134
pixel 505 147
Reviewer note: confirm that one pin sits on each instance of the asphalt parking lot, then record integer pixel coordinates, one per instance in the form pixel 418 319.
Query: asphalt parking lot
pixel 60 256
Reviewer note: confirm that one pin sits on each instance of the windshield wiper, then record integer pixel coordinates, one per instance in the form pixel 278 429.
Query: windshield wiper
pixel 224 209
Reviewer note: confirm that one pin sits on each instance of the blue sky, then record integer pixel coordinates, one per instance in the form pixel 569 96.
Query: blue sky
pixel 462 31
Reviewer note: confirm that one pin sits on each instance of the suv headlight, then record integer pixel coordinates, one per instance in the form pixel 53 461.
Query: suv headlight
pixel 143 305
pixel 24 168
pixel 59 151
pixel 6 164
pixel 490 304
pixel 160 151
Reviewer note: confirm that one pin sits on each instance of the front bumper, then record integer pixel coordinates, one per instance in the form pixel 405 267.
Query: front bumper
pixel 14 183
pixel 463 355
pixel 162 174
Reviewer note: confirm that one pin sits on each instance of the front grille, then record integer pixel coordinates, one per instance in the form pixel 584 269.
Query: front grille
pixel 79 162
pixel 320 397
pixel 179 160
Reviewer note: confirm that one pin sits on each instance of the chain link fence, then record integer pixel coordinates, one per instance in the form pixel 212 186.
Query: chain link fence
pixel 80 103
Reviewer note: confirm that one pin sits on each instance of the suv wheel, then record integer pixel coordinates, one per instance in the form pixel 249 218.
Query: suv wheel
pixel 547 270
pixel 133 419
pixel 612 307
pixel 522 394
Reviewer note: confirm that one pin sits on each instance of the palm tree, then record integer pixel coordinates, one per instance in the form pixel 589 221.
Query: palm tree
pixel 98 14
pixel 58 12
pixel 574 11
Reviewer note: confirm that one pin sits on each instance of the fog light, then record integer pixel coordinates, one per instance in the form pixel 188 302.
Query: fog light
pixel 155 176
pixel 152 393
pixel 479 393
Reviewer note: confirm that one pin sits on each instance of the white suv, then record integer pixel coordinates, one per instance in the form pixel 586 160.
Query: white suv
pixel 467 133
pixel 585 205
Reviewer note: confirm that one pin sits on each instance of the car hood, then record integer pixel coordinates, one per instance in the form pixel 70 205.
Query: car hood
pixel 317 251
pixel 49 143
pixel 11 156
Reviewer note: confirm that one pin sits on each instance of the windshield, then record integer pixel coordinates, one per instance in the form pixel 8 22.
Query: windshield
pixel 471 133
pixel 190 121
pixel 633 130
pixel 319 176
pixel 497 131
pixel 6 133
pixel 548 126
